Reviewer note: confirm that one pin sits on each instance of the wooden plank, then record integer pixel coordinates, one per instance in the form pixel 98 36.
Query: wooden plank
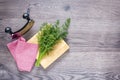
pixel 94 38
pixel 59 49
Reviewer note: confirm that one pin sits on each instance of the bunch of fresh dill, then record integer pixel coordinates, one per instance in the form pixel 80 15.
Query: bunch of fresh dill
pixel 49 35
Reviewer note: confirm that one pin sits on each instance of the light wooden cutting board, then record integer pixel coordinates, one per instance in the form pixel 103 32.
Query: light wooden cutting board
pixel 59 49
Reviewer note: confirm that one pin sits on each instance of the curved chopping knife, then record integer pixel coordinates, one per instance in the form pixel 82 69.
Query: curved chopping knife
pixel 24 29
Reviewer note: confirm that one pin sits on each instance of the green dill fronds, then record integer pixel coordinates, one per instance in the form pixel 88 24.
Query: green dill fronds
pixel 49 35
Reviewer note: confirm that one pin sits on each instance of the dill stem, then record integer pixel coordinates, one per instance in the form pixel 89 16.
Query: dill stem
pixel 39 58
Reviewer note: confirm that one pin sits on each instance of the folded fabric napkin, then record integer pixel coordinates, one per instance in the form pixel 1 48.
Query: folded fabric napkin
pixel 23 53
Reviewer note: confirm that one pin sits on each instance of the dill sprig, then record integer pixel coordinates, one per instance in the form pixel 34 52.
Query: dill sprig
pixel 49 35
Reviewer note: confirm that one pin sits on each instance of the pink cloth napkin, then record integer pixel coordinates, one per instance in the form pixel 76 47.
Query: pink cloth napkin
pixel 24 53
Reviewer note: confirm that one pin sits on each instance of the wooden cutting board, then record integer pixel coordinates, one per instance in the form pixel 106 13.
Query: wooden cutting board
pixel 59 49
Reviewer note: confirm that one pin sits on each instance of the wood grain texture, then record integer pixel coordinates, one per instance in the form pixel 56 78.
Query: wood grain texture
pixel 94 38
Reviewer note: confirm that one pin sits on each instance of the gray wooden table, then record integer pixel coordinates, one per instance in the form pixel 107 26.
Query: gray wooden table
pixel 94 38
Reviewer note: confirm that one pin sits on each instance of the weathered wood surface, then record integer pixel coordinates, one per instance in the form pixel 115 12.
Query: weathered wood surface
pixel 94 38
